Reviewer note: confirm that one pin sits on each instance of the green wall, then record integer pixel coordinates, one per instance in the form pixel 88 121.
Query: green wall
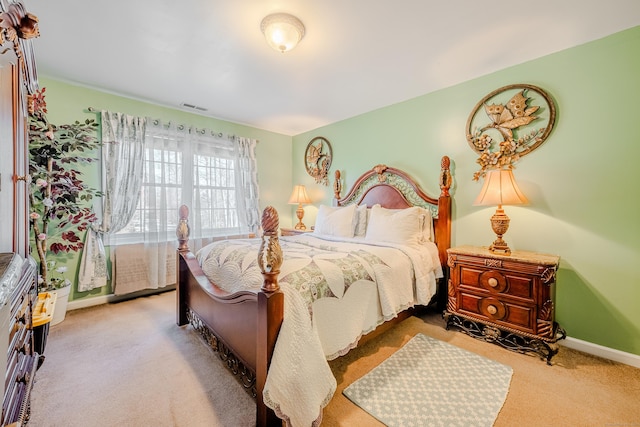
pixel 67 103
pixel 581 183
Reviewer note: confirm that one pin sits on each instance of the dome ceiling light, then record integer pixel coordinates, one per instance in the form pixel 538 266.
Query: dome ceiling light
pixel 282 31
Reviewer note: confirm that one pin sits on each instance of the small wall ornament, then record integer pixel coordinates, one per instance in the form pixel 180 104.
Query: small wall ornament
pixel 509 123
pixel 317 159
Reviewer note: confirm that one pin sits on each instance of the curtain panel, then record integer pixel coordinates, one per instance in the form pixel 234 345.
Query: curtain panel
pixel 247 184
pixel 122 157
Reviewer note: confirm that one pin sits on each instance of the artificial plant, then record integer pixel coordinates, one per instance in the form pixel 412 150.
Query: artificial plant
pixel 58 195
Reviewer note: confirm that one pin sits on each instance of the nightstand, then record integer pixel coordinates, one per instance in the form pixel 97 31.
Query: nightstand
pixel 293 231
pixel 504 299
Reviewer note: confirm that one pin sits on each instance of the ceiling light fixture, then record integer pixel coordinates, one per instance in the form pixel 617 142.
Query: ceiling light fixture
pixel 282 31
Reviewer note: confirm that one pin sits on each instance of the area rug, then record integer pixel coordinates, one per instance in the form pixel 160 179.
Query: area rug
pixel 431 383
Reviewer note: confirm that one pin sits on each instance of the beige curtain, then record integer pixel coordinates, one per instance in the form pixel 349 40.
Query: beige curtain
pixel 247 182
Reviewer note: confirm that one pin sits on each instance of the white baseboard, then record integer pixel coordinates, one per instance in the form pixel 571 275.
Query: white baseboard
pixel 602 351
pixel 89 302
pixel 104 299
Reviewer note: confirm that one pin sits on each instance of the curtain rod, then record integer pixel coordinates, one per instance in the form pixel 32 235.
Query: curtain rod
pixel 181 127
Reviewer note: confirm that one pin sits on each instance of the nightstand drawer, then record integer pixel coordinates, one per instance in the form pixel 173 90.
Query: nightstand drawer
pixel 497 282
pixel 502 312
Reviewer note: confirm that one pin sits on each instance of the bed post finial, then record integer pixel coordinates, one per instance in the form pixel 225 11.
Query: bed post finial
pixel 270 253
pixel 445 176
pixel 337 185
pixel 182 230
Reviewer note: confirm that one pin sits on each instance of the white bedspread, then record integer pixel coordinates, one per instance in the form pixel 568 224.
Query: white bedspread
pixel 322 271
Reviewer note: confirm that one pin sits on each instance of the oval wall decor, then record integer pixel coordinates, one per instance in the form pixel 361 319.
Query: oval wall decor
pixel 508 124
pixel 317 159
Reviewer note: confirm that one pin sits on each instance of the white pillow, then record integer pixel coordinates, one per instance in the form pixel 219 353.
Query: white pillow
pixel 425 219
pixel 404 226
pixel 361 223
pixel 336 221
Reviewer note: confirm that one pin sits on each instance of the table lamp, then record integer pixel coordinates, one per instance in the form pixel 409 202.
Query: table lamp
pixel 299 196
pixel 500 188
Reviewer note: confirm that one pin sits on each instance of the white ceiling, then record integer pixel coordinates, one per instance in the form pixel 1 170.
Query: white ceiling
pixel 356 56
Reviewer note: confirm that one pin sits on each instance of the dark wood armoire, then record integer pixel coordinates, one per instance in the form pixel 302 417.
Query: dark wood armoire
pixel 18 287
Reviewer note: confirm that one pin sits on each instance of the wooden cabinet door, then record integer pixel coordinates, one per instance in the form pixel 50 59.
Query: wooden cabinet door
pixel 14 222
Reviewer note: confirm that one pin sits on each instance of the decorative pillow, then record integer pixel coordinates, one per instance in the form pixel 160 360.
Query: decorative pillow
pixel 336 221
pixel 361 223
pixel 404 226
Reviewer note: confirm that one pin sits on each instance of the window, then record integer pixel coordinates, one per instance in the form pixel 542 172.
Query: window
pixel 215 189
pixel 182 168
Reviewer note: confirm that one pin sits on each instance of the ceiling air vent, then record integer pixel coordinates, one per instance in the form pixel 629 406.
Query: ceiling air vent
pixel 192 107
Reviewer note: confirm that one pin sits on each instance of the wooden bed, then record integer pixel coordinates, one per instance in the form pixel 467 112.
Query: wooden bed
pixel 243 327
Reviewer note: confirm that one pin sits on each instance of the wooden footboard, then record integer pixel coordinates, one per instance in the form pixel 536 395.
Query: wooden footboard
pixel 242 327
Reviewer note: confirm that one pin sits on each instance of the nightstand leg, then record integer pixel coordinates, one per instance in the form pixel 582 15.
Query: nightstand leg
pixel 510 341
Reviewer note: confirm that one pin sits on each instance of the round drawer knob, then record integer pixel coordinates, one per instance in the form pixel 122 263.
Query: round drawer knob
pixel 493 281
pixel 492 309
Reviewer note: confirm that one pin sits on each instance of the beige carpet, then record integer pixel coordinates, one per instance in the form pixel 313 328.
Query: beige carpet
pixel 124 364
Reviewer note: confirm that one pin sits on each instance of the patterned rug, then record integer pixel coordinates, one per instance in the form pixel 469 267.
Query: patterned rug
pixel 431 383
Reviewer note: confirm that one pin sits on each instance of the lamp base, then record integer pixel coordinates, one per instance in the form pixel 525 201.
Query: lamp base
pixel 500 225
pixel 500 246
pixel 300 214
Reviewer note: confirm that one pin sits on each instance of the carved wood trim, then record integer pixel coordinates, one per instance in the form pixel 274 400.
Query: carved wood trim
pixel 452 302
pixel 246 376
pixel 18 27
pixel 337 185
pixel 546 311
pixel 270 253
pixel 495 263
pixel 385 175
pixel 380 169
pixel 548 276
pixel 445 176
pixel 451 261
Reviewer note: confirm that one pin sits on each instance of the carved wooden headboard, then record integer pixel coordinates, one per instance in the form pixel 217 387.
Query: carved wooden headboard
pixel 395 189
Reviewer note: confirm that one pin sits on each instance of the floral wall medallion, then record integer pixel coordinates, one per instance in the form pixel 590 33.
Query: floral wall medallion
pixel 509 123
pixel 317 159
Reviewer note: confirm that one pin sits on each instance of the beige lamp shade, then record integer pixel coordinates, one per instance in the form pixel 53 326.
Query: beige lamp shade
pixel 282 31
pixel 298 197
pixel 500 188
